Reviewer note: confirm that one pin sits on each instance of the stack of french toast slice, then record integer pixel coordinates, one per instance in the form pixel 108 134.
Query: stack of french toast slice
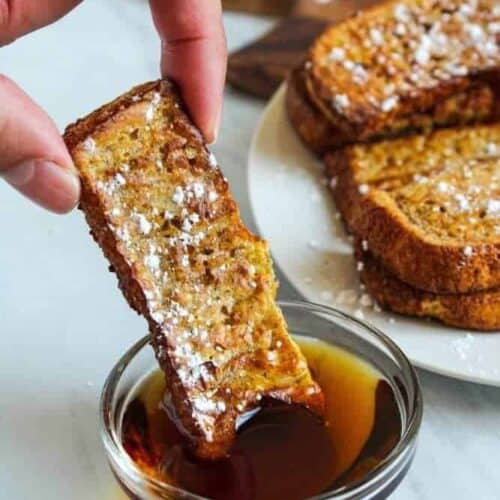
pixel 403 102
pixel 425 212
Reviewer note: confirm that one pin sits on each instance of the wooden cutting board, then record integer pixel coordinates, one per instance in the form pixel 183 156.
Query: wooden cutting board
pixel 265 7
pixel 260 67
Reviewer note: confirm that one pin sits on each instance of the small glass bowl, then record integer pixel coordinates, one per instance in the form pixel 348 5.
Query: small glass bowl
pixel 306 319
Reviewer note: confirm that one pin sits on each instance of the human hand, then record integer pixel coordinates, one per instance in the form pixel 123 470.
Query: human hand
pixel 33 157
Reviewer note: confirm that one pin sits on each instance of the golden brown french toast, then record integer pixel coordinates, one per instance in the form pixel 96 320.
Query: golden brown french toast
pixel 427 206
pixel 320 135
pixel 477 311
pixel 160 209
pixel 406 66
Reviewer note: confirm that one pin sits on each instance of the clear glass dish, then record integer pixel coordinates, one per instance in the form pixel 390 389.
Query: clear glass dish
pixel 305 319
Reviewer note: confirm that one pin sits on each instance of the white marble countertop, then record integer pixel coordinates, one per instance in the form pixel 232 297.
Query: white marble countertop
pixel 63 323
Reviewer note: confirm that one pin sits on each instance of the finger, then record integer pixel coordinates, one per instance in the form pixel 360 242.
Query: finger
pixel 18 17
pixel 33 157
pixel 194 55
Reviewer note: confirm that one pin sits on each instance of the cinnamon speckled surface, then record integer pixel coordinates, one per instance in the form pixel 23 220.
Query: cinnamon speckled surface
pixel 63 322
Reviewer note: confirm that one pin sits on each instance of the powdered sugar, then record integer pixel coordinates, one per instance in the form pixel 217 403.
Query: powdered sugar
pixel 178 196
pixel 89 145
pixel 347 297
pixel 463 345
pixel 443 187
pixel 376 36
pixel 144 225
pixel 337 54
pixel 212 160
pixel 359 314
pixel 150 111
pixel 152 261
pixel 190 221
pixel 493 208
pixel 389 103
pixel 468 251
pixel 340 102
pixel 112 185
pixel 426 45
pixel 463 202
pixel 207 405
pixel 198 189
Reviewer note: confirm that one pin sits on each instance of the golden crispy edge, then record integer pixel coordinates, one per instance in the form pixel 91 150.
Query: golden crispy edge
pixel 320 135
pixel 405 250
pixel 94 212
pixel 478 311
pixel 423 121
pixel 316 132
pixel 76 132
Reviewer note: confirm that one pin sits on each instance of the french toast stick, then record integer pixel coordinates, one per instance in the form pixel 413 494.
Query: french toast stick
pixel 161 211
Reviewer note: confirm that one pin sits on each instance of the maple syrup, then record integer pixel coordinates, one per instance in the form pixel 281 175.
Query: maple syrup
pixel 282 451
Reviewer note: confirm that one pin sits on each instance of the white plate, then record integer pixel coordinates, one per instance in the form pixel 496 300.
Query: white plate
pixel 294 211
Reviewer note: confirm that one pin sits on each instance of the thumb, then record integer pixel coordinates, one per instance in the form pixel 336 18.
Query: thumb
pixel 33 157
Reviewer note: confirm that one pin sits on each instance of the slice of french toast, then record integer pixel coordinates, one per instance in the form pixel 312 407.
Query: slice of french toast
pixel 320 135
pixel 477 311
pixel 406 66
pixel 160 209
pixel 427 206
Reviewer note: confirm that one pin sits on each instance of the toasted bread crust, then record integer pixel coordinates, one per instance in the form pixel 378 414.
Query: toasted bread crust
pixel 370 210
pixel 149 128
pixel 316 132
pixel 477 311
pixel 381 72
pixel 321 135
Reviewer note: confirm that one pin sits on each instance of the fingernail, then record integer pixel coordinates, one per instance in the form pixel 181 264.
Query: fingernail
pixel 50 185
pixel 216 127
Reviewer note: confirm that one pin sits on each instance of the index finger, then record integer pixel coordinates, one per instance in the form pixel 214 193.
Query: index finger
pixel 194 55
pixel 18 17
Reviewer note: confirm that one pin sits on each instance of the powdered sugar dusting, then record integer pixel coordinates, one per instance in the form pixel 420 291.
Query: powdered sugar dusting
pixel 144 225
pixel 364 188
pixel 468 251
pixel 89 145
pixel 169 225
pixel 150 111
pixel 389 103
pixel 493 208
pixel 340 102
pixel 337 54
pixel 416 46
pixel 212 160
pixel 178 196
pixel 111 185
pixel 463 345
